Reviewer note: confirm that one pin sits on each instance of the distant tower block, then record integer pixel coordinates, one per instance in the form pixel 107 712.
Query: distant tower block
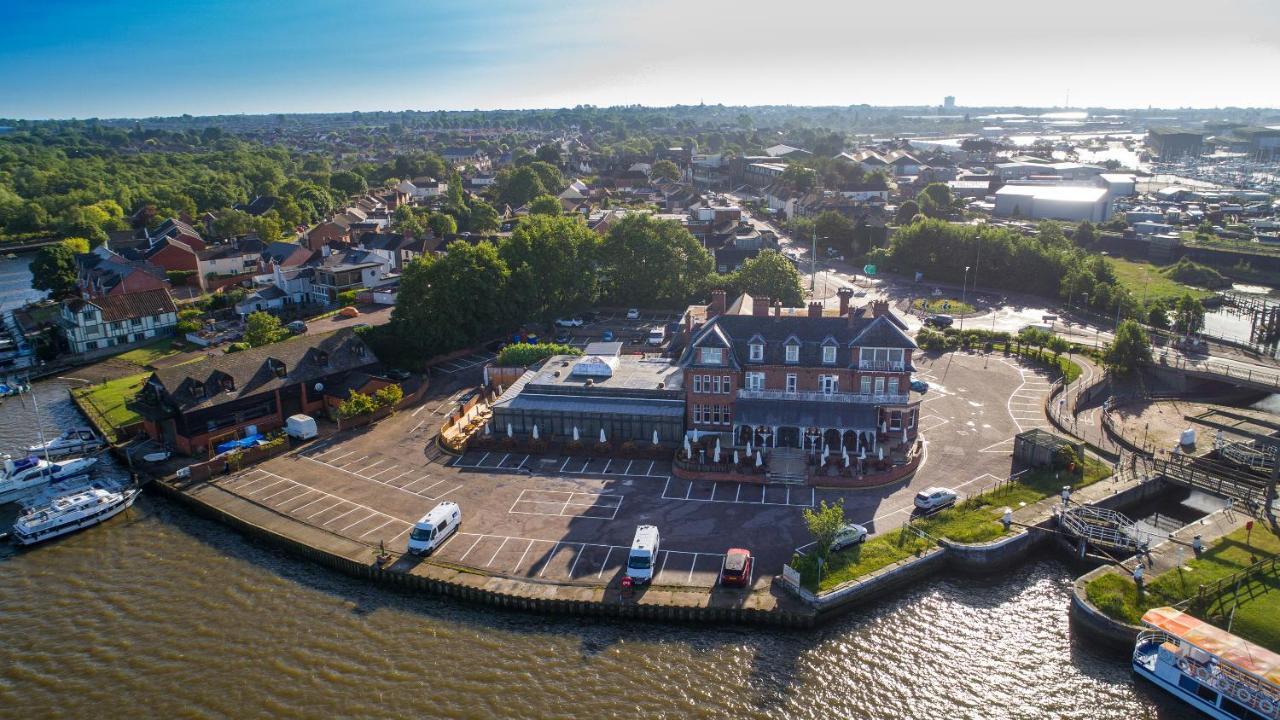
pixel 949 102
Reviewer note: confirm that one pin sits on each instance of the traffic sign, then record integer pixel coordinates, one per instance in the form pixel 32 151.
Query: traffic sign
pixel 869 269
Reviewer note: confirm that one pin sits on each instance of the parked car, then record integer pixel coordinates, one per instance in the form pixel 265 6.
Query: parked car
pixel 607 336
pixel 297 327
pixel 569 322
pixel 434 528
pixel 737 568
pixel 399 375
pixel 348 312
pixel 919 386
pixel 563 337
pixel 940 321
pixel 935 498
pixel 848 535
pixel 633 314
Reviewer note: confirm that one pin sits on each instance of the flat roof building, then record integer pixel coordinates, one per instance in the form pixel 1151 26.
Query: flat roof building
pixel 1053 202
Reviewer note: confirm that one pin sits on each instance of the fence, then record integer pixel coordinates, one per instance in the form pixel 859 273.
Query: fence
pixel 1213 595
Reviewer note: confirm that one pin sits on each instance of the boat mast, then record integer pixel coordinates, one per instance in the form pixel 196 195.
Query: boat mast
pixel 35 406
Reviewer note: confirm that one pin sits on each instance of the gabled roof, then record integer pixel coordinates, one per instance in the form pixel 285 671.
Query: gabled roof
pixel 146 303
pixel 286 254
pixel 738 331
pixel 303 359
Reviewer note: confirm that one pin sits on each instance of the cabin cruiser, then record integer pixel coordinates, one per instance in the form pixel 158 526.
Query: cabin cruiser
pixel 1221 675
pixel 74 441
pixel 25 475
pixel 70 512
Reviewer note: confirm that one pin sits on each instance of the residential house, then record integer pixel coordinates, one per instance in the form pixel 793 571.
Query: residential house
pixel 230 262
pixel 175 229
pixel 469 155
pixel 427 188
pixel 102 272
pixel 330 232
pixel 113 320
pixel 398 249
pixel 286 254
pixel 259 205
pixel 347 270
pixel 802 378
pixel 787 152
pixel 282 288
pixel 193 406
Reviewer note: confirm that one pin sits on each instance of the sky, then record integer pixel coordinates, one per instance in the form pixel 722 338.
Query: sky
pixel 141 58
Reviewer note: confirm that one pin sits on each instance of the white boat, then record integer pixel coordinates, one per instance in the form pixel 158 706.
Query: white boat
pixel 26 475
pixel 1208 668
pixel 74 441
pixel 67 513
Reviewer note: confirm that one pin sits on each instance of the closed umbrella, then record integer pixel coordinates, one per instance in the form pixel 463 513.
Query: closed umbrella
pixel 688 450
pixel 535 432
pixel 884 427
pixel 846 459
pixel 735 457
pixel 509 433
pixel 759 460
pixel 862 453
pixel 717 447
pixel 715 457
pixel 695 434
pixel 880 452
pixel 844 455
pixel 488 428
pixel 750 450
pixel 655 437
pixel 904 436
pixel 602 439
pixel 575 434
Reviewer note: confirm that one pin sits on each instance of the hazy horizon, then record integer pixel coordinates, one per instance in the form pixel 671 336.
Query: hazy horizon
pixel 139 58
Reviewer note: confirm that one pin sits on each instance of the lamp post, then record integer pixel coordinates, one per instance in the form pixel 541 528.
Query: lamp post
pixel 963 286
pixel 813 260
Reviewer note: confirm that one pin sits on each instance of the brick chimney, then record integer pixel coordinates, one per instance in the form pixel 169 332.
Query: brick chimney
pixel 815 309
pixel 760 307
pixel 777 308
pixel 879 307
pixel 717 304
pixel 846 295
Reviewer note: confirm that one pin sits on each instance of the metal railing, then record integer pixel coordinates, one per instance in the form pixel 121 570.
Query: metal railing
pixel 884 399
pixel 882 365
pixel 1103 527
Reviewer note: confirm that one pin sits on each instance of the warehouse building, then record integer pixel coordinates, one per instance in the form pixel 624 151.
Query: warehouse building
pixel 1053 202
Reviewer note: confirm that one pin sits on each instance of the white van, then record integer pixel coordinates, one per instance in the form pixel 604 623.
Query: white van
pixel 643 555
pixel 434 528
pixel 657 335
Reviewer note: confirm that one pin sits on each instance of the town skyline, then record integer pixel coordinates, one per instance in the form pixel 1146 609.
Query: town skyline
pixel 237 57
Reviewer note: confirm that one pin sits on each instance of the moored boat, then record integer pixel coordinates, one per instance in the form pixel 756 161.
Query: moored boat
pixel 73 441
pixel 24 476
pixel 1208 668
pixel 68 513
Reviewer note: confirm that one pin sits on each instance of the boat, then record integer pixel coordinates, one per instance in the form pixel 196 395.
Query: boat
pixel 75 440
pixel 70 512
pixel 1221 675
pixel 25 475
pixel 9 389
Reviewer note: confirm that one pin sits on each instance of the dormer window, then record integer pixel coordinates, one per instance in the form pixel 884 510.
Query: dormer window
pixel 197 389
pixel 757 352
pixel 829 354
pixel 793 352
pixel 712 356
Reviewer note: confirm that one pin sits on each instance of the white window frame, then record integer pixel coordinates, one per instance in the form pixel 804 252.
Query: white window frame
pixel 791 382
pixel 727 384
pixel 697 383
pixel 712 356
pixel 866 384
pixel 755 381
pixel 829 354
pixel 879 386
pixel 829 384
pixel 757 352
pixel 893 386
pixel 793 353
pixel 715 383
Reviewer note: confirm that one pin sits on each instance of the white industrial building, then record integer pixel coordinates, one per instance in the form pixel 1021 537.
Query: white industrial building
pixel 1053 202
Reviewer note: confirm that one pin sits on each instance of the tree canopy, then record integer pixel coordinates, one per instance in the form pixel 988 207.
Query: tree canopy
pixel 1130 348
pixel 652 262
pixel 770 275
pixel 53 270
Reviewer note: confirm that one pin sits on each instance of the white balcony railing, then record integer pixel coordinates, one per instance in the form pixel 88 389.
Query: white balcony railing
pixel 869 398
pixel 882 366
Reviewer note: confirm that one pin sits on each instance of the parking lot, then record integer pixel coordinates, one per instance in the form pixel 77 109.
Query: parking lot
pixel 572 518
pixel 456 366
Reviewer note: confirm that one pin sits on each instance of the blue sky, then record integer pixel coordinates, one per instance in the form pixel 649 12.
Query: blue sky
pixel 131 58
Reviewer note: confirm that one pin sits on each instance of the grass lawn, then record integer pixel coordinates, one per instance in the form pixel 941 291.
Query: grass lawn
pixel 147 354
pixel 935 305
pixel 108 400
pixel 975 520
pixel 1256 619
pixel 1145 280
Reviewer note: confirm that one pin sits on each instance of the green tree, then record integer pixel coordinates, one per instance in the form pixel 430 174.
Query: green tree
pixel 836 230
pixel 517 186
pixel 1188 315
pixel 348 183
pixel 770 275
pixel 263 328
pixel 907 212
pixel 483 218
pixel 53 270
pixel 824 524
pixel 77 245
pixel 348 297
pixel 664 170
pixel 1086 234
pixel 553 263
pixel 652 262
pixel 389 396
pixel 546 205
pixel 1058 345
pixel 935 200
pixel 442 224
pixel 548 154
pixel 1129 349
pixel 1158 315
pixel 355 405
pixel 799 178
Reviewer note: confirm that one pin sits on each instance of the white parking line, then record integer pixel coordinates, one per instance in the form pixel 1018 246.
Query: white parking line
pixel 605 564
pixel 547 562
pixel 650 470
pixel 267 487
pixel 522 556
pixel 473 547
pixel 370 465
pixel 370 532
pixel 366 517
pixel 495 552
pixel 386 469
pixel 327 509
pixel 343 514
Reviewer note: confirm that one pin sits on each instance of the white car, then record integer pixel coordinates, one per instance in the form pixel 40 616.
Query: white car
pixel 849 535
pixel 633 314
pixel 569 322
pixel 935 498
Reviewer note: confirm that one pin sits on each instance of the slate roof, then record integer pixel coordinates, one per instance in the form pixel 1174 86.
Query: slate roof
pixel 130 305
pixel 302 359
pixel 286 253
pixel 848 334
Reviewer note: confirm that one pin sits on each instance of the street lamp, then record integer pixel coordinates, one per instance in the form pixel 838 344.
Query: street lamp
pixel 963 286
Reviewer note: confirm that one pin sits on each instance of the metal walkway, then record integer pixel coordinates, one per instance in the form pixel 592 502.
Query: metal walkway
pixel 1102 528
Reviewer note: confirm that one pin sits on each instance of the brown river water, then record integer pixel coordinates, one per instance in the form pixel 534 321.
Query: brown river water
pixel 161 614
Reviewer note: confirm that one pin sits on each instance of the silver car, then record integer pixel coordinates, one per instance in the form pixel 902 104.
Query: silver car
pixel 848 536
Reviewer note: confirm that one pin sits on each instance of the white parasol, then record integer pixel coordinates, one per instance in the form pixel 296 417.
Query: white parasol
pixel 509 430
pixel 695 434
pixel 688 451
pixel 759 460
pixel 655 437
pixel 575 434
pixel 880 452
pixel 715 457
pixel 535 432
pixel 602 439
pixel 735 457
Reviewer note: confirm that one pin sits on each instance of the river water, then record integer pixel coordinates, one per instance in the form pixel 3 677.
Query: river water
pixel 163 614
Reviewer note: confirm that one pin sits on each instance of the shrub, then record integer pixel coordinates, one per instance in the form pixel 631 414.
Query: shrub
pixel 389 396
pixel 524 354
pixel 347 297
pixel 237 347
pixel 356 404
pixel 1065 457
